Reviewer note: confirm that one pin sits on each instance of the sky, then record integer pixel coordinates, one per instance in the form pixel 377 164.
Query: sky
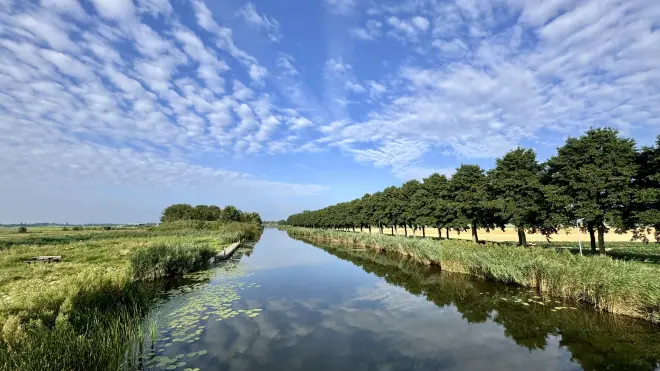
pixel 110 110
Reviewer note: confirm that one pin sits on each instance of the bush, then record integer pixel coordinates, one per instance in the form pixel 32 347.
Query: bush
pixel 107 228
pixel 65 229
pixel 22 229
pixel 77 228
pixel 162 260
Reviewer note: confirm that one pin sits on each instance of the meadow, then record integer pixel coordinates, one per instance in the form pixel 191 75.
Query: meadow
pixel 612 285
pixel 85 313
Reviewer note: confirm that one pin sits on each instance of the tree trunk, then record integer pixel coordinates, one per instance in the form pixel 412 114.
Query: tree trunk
pixel 447 230
pixel 414 232
pixel 392 230
pixel 361 228
pixel 439 233
pixel 601 238
pixel 475 236
pixel 353 228
pixel 369 228
pixel 592 237
pixel 405 230
pixel 522 239
pixel 423 232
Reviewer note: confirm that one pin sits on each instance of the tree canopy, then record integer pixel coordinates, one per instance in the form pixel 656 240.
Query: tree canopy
pixel 207 213
pixel 599 178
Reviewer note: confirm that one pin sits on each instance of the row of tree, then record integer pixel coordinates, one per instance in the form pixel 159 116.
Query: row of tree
pixel 599 181
pixel 207 213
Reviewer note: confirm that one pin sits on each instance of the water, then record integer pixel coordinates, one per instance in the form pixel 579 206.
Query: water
pixel 289 305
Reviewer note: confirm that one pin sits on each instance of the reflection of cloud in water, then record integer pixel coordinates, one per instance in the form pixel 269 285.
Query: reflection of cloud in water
pixel 379 326
pixel 276 250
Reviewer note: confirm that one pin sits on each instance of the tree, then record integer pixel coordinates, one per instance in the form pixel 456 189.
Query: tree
pixel 231 213
pixel 251 218
pixel 468 188
pixel 590 179
pixel 515 187
pixel 22 229
pixel 393 206
pixel 177 212
pixel 645 213
pixel 435 210
pixel 410 214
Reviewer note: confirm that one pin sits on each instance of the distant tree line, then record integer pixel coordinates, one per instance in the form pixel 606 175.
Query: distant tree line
pixel 207 213
pixel 599 181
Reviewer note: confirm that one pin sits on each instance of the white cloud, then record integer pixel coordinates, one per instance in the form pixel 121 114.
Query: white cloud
pixel 286 63
pixel 118 10
pixel 337 66
pixel 270 26
pixel 421 23
pixel 355 87
pixel 371 31
pixel 300 123
pixel 343 7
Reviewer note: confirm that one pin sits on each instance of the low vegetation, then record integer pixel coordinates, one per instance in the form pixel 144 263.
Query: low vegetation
pixel 607 284
pixel 85 313
pixel 599 181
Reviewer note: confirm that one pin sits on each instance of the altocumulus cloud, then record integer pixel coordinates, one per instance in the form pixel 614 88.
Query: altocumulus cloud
pixel 95 95
pixel 126 96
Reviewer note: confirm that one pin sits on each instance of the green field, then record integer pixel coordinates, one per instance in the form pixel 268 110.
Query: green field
pixel 85 312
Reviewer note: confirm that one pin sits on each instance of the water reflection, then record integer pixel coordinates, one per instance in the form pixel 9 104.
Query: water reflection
pixel 596 341
pixel 336 309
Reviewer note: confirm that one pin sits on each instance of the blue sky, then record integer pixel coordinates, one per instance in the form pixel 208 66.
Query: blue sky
pixel 114 109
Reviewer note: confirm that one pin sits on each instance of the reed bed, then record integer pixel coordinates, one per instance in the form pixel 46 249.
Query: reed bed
pixel 624 287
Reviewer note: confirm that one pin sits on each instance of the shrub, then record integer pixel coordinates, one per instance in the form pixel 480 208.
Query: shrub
pixel 77 228
pixel 65 229
pixel 107 228
pixel 162 260
pixel 22 229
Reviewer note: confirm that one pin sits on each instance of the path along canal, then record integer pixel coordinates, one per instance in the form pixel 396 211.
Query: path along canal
pixel 289 305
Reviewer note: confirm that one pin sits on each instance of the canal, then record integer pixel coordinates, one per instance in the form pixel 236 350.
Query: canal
pixel 286 304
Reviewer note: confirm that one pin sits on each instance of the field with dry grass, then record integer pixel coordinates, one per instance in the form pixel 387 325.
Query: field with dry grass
pixel 511 235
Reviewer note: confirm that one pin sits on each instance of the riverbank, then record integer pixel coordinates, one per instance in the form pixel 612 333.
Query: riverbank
pixel 85 312
pixel 606 284
pixel 612 342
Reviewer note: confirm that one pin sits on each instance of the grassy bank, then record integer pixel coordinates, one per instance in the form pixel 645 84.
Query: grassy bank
pixel 610 285
pixel 596 340
pixel 84 313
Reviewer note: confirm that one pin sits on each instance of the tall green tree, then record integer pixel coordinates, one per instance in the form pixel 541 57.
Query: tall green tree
pixel 393 207
pixel 590 178
pixel 646 209
pixel 231 213
pixel 409 214
pixel 515 188
pixel 177 212
pixel 468 188
pixel 436 209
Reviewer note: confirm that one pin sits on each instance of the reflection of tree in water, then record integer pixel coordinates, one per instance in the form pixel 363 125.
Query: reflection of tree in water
pixel 596 340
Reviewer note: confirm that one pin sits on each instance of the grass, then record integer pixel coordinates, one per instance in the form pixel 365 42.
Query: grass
pixel 84 313
pixel 606 284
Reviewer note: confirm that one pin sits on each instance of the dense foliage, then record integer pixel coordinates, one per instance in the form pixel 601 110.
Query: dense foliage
pixel 599 181
pixel 207 213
